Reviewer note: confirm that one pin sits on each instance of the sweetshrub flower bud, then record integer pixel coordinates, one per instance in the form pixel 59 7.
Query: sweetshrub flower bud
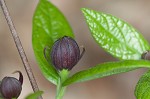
pixel 65 53
pixel 146 55
pixel 11 87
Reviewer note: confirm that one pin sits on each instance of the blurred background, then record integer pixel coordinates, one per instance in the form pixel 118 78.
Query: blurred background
pixel 135 12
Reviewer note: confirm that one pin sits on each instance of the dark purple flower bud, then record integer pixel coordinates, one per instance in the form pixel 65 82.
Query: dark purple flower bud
pixel 11 87
pixel 65 53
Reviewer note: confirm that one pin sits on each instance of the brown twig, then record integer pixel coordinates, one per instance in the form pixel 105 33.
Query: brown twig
pixel 19 47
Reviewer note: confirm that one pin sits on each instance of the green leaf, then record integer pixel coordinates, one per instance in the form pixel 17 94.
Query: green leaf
pixel 49 24
pixel 35 95
pixel 106 69
pixel 116 36
pixel 142 90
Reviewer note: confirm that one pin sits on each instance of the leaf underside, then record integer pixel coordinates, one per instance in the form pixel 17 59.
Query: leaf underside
pixel 106 69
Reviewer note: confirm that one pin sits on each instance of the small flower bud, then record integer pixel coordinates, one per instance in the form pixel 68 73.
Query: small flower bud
pixel 65 53
pixel 11 87
pixel 146 55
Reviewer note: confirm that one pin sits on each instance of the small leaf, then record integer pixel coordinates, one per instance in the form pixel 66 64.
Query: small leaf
pixel 35 95
pixel 49 24
pixel 116 36
pixel 142 90
pixel 106 69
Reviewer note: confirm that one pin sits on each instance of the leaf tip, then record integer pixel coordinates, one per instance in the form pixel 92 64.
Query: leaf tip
pixel 34 95
pixel 83 10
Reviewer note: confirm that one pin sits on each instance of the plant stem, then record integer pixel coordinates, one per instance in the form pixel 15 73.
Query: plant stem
pixel 60 89
pixel 61 93
pixel 19 47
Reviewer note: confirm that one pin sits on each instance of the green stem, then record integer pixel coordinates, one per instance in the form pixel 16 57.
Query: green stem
pixel 60 93
pixel 60 89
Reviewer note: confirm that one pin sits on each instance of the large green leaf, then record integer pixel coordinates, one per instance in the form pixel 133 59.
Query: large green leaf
pixel 49 24
pixel 116 36
pixel 106 69
pixel 142 90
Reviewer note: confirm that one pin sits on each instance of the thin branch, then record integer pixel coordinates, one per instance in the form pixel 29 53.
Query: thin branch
pixel 19 47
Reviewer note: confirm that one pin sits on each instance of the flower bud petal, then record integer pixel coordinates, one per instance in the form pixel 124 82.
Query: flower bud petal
pixel 65 53
pixel 20 76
